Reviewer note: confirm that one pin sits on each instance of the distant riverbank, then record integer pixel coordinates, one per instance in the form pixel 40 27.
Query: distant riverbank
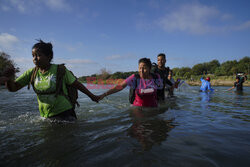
pixel 196 82
pixel 217 82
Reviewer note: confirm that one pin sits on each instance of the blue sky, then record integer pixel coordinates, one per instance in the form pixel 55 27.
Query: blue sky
pixel 89 35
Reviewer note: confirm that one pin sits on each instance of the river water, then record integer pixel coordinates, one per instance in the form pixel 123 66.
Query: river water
pixel 191 129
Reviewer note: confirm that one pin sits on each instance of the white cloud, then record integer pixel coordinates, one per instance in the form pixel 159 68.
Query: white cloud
pixel 75 61
pixel 23 60
pixel 20 5
pixel 119 57
pixel 140 14
pixel 71 48
pixel 7 41
pixel 27 6
pixel 103 35
pixel 189 18
pixel 154 4
pixel 199 19
pixel 113 57
pixel 57 4
pixel 5 8
pixel 226 17
pixel 243 26
pixel 79 67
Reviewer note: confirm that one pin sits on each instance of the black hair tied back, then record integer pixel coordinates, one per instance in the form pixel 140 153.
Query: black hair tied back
pixel 45 48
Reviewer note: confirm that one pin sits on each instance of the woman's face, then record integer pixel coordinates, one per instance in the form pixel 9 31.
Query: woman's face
pixel 144 70
pixel 39 58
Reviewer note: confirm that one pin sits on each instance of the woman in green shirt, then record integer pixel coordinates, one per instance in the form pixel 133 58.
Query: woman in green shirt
pixel 51 104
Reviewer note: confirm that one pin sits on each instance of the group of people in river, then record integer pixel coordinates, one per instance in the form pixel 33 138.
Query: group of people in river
pixel 238 84
pixel 55 84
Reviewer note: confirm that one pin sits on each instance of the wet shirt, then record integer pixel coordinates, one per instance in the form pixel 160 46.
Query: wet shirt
pixel 146 90
pixel 45 85
pixel 239 85
pixel 164 75
pixel 205 85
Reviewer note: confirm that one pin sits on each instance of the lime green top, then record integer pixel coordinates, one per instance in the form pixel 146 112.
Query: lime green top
pixel 49 105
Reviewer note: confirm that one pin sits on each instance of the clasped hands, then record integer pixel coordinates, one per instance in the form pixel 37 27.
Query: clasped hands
pixel 98 98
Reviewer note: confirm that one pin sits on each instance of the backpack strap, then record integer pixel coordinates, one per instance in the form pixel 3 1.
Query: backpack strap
pixel 32 78
pixel 155 77
pixel 133 88
pixel 154 68
pixel 167 69
pixel 137 76
pixel 61 70
pixel 154 64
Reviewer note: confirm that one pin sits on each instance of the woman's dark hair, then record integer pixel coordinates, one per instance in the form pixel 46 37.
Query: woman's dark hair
pixel 146 61
pixel 162 54
pixel 45 48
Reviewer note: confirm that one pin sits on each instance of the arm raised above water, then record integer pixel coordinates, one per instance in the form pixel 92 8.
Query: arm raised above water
pixel 10 84
pixel 115 89
pixel 76 84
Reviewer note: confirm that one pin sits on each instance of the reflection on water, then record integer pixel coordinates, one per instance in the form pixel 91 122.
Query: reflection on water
pixel 205 96
pixel 189 129
pixel 147 128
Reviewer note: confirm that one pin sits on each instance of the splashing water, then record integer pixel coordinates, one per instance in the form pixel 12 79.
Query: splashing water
pixel 184 87
pixel 188 129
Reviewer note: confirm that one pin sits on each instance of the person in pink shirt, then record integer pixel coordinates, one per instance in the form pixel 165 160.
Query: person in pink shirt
pixel 145 85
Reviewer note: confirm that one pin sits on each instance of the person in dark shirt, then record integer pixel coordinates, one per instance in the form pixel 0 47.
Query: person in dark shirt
pixel 239 83
pixel 169 89
pixel 163 72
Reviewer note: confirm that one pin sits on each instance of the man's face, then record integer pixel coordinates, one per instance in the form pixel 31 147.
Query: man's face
pixel 161 61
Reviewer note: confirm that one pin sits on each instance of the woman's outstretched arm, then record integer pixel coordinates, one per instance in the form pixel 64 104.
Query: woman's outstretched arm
pixel 115 89
pixel 84 90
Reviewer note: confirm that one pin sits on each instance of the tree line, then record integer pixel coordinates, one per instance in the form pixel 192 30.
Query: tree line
pixel 227 68
pixel 213 67
pixel 5 63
